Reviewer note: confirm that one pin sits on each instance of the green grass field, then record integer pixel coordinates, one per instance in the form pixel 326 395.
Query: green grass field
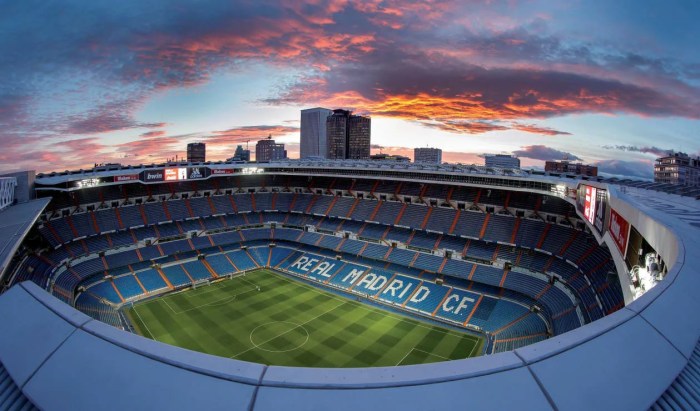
pixel 292 323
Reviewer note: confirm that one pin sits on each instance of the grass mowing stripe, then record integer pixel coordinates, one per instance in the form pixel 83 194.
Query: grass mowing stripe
pixel 286 332
pixel 335 331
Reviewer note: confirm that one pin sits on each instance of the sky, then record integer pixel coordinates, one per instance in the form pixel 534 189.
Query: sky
pixel 609 83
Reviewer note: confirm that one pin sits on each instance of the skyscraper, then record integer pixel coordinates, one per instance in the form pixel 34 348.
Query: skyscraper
pixel 427 155
pixel 196 152
pixel 267 150
pixel 359 137
pixel 348 135
pixel 313 132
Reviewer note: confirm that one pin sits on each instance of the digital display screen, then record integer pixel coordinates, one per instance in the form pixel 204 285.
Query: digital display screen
pixel 589 203
pixel 91 182
pixel 176 174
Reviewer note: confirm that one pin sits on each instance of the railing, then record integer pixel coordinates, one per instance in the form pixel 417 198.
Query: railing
pixel 7 191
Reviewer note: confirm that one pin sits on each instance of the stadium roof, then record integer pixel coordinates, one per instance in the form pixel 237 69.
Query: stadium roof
pixel 626 360
pixel 15 223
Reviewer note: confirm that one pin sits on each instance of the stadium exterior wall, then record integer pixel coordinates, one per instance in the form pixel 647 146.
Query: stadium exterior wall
pixel 626 360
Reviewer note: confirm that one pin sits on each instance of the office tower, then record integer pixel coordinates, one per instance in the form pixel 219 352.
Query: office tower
pixel 196 152
pixel 313 142
pixel 348 135
pixel 427 155
pixel 267 150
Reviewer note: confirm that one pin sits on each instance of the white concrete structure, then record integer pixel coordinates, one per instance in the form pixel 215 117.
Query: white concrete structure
pixel 643 355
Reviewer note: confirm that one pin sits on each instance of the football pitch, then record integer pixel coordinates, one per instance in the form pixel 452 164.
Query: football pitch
pixel 267 318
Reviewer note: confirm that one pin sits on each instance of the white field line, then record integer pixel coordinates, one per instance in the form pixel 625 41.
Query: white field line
pixel 211 303
pixel 288 331
pixel 144 324
pixel 434 355
pixel 404 357
pixel 249 282
pixel 473 347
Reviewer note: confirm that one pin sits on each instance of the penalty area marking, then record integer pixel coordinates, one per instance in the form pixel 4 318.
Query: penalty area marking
pixel 424 352
pixel 221 301
pixel 258 346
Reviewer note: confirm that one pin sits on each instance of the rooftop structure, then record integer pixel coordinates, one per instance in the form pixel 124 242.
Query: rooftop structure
pixel 390 157
pixel 568 167
pixel 501 160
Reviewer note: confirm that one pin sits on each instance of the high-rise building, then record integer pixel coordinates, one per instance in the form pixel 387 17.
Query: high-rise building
pixel 677 168
pixel 359 137
pixel 501 161
pixel 427 155
pixel 267 150
pixel 196 152
pixel 571 168
pixel 348 135
pixel 314 142
pixel 241 154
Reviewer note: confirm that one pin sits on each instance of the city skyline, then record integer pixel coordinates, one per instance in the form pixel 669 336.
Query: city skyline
pixel 613 85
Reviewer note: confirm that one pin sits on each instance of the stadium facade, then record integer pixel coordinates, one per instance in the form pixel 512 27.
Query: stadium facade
pixel 605 271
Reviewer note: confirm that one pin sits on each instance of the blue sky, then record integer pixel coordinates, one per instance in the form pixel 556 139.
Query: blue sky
pixel 608 83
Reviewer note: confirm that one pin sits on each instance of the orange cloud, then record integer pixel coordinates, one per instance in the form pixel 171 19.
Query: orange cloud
pixel 154 133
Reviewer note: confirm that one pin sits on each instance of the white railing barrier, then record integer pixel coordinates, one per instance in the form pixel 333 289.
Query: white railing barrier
pixel 7 191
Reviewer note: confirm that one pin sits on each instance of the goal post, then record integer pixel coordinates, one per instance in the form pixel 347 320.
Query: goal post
pixel 200 283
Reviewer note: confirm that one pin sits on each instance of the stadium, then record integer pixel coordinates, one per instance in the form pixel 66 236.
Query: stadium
pixel 346 284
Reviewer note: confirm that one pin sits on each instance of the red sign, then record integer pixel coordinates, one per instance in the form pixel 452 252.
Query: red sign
pixel 619 230
pixel 130 177
pixel 219 171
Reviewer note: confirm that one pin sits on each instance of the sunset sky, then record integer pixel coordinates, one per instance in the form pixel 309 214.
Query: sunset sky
pixel 611 83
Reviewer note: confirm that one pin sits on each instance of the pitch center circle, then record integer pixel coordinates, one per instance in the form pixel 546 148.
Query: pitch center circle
pixel 279 336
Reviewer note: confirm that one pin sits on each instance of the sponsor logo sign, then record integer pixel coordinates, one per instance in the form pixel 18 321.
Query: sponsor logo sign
pixel 130 177
pixel 619 231
pixel 221 171
pixel 171 174
pixel 152 175
pixel 194 173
